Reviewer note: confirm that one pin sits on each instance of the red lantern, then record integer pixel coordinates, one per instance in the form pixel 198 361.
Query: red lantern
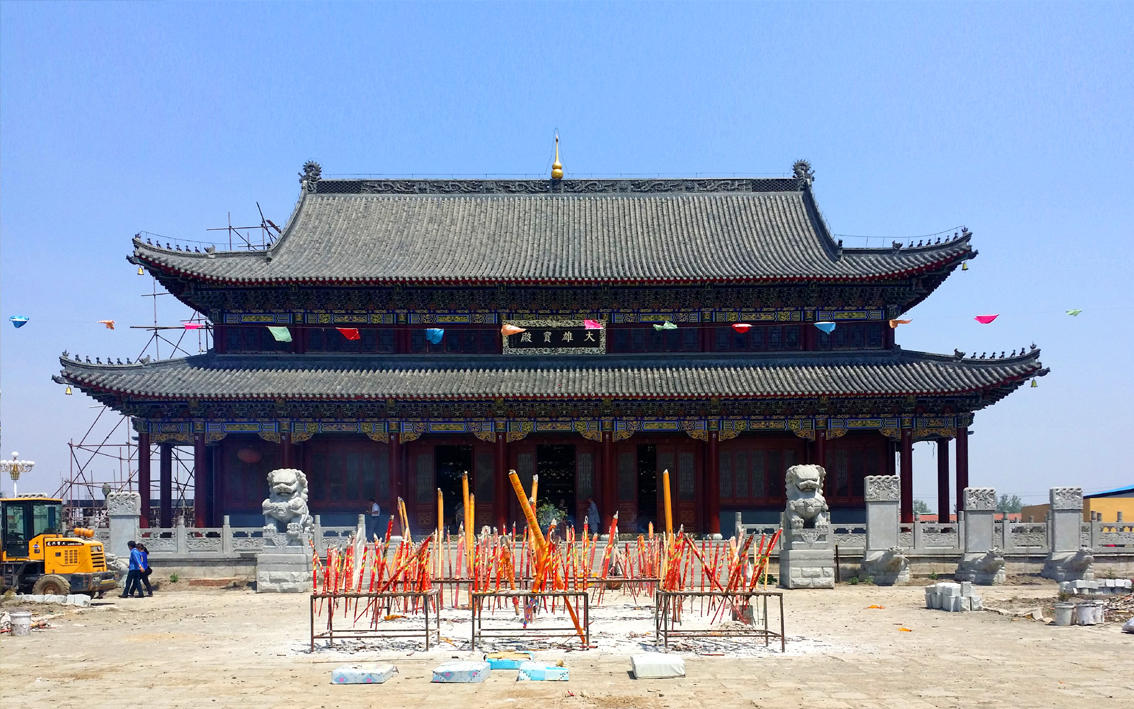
pixel 249 455
pixel 741 327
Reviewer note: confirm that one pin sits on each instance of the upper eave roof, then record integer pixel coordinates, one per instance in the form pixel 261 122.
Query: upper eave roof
pixel 359 377
pixel 542 231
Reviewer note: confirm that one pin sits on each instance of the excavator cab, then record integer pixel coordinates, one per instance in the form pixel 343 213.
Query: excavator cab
pixel 38 556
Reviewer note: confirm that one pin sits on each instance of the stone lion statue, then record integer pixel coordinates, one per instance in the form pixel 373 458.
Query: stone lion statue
pixel 285 510
pixel 806 507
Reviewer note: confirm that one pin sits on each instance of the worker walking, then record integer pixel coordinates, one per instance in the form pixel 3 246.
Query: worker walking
pixel 133 577
pixel 145 570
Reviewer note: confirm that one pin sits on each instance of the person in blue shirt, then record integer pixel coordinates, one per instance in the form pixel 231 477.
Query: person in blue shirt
pixel 145 570
pixel 133 578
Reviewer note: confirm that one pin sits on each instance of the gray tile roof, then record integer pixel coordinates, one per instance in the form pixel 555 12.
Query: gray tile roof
pixel 805 374
pixel 354 231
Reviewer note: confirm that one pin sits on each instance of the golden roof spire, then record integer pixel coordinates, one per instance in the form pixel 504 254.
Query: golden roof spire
pixel 557 167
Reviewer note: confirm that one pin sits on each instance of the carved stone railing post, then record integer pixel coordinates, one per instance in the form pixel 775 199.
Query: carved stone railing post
pixel 738 527
pixel 961 530
pixel 983 562
pixel 320 542
pixel 226 537
pixel 181 535
pixel 1068 559
pixel 883 561
pixel 918 541
pixel 122 509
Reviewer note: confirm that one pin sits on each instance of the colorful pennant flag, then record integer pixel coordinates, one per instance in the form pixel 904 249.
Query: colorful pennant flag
pixel 19 320
pixel 741 327
pixel 1034 384
pixel 667 325
pixel 282 334
pixel 351 333
pixel 895 323
pixel 986 319
pixel 592 324
pixel 825 326
pixel 109 324
pixel 192 326
pixel 1074 312
pixel 507 330
pixel 434 335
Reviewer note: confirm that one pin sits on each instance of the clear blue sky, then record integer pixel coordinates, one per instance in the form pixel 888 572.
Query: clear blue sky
pixel 1013 119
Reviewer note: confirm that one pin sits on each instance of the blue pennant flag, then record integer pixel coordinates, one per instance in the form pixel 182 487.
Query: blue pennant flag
pixel 19 320
pixel 827 327
pixel 434 335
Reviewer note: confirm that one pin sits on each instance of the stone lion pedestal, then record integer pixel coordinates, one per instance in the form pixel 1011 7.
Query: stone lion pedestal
pixel 982 563
pixel 1069 560
pixel 883 561
pixel 284 564
pixel 806 559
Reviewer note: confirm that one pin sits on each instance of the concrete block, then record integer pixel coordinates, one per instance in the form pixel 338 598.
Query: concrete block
pixel 810 573
pixel 657 665
pixel 363 674
pixel 950 589
pixel 79 600
pixel 966 588
pixel 509 660
pixel 539 672
pixel 827 573
pixel 462 672
pixel 976 603
pixel 953 604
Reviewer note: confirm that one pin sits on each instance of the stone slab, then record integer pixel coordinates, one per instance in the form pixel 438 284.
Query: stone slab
pixel 462 672
pixel 363 674
pixel 657 665
pixel 539 672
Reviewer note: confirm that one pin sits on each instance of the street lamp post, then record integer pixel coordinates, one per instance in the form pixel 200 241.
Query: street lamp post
pixel 14 468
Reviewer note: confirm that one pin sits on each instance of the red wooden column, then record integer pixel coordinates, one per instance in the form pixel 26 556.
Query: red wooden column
pixel 200 481
pixel 714 487
pixel 144 477
pixel 288 453
pixel 962 464
pixel 907 475
pixel 943 495
pixel 165 483
pixel 395 475
pixel 502 487
pixel 609 500
pixel 820 448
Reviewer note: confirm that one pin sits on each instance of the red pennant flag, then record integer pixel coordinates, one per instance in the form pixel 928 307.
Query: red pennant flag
pixel 507 330
pixel 351 333
pixel 986 319
pixel 895 323
pixel 741 327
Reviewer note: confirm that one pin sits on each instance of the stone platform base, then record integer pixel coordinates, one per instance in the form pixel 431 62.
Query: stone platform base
pixel 807 568
pixel 284 570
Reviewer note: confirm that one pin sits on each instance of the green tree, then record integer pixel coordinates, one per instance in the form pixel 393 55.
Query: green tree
pixel 1011 503
pixel 920 508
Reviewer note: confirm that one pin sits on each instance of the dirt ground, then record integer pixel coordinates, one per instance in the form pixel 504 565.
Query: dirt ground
pixel 232 648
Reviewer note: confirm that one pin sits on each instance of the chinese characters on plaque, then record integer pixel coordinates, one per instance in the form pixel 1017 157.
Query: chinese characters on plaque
pixel 555 337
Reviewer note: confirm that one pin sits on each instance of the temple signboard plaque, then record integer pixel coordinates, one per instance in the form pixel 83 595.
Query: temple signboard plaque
pixel 545 337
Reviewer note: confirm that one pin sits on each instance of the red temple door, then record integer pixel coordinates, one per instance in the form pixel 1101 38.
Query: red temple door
pixel 626 486
pixel 585 456
pixel 680 459
pixel 421 493
pixel 482 484
pixel 524 463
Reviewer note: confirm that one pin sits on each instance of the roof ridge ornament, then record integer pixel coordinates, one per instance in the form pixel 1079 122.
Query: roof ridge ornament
pixel 802 171
pixel 312 172
pixel 557 167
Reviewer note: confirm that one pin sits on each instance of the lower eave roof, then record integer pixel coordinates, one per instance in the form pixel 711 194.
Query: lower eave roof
pixel 671 376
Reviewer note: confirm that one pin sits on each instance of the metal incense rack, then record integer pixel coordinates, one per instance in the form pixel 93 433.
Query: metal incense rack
pixel 330 633
pixel 668 603
pixel 529 599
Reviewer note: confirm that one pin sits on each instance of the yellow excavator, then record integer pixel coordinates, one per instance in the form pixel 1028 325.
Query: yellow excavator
pixel 37 557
